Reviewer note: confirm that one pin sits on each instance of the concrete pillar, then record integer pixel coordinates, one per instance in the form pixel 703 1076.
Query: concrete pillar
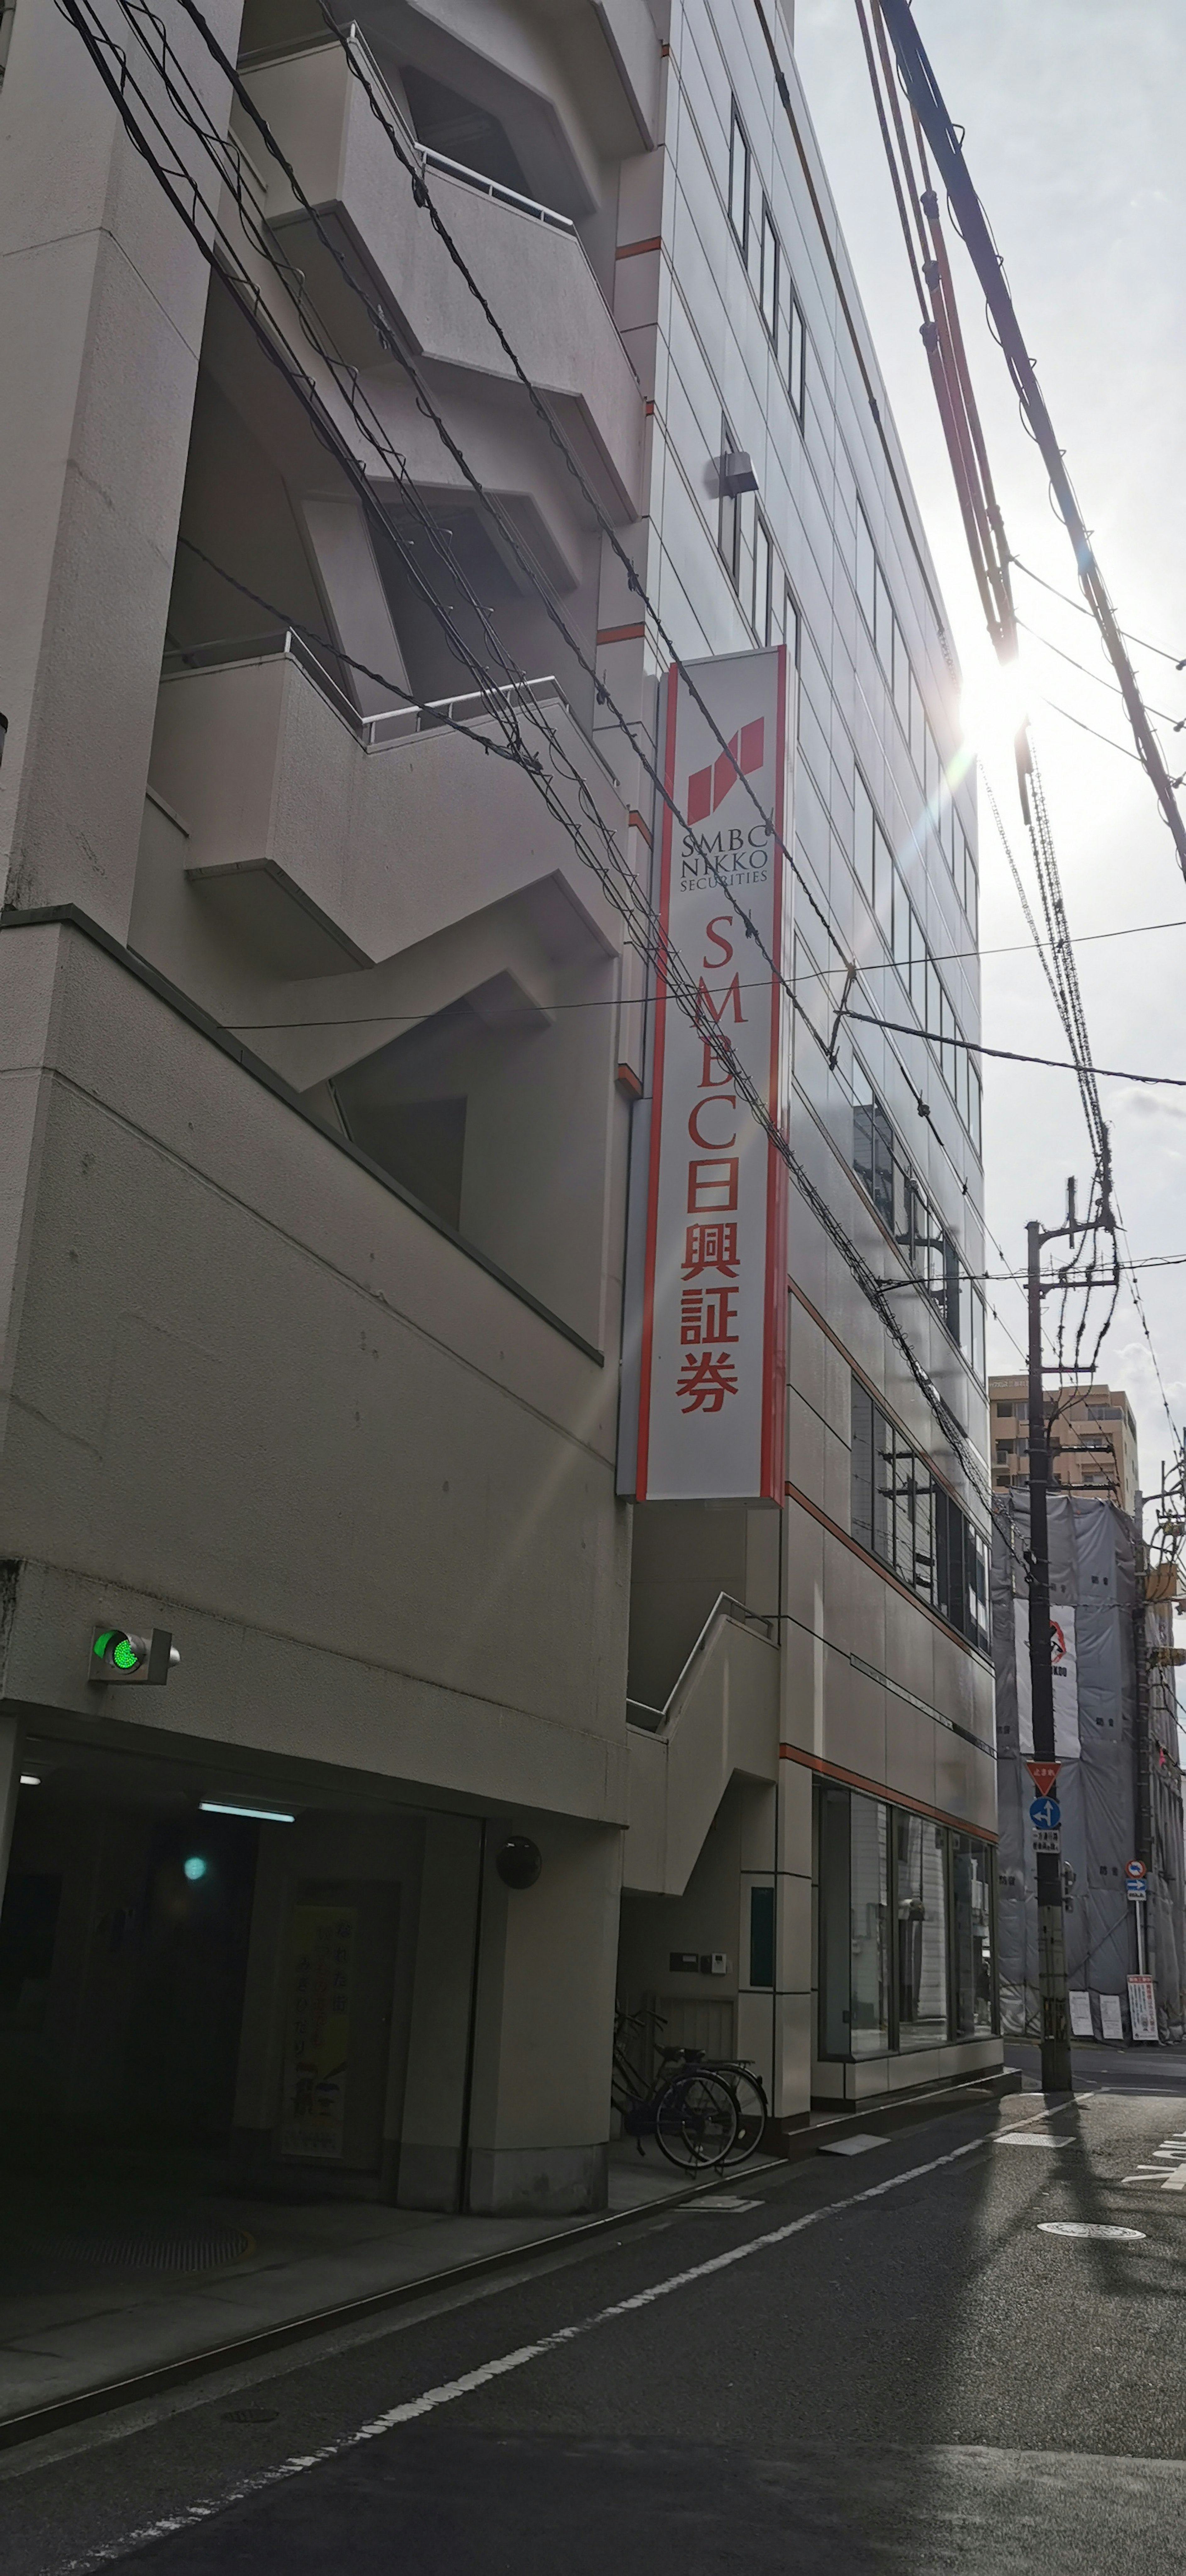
pixel 539 2125
pixel 434 2094
pixel 10 1783
pixel 794 1999
pixel 102 299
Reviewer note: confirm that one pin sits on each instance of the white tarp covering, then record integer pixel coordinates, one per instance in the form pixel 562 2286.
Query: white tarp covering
pixel 1064 1666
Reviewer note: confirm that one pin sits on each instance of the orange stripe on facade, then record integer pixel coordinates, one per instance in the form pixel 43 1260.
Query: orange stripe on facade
pixel 877 1789
pixel 620 634
pixel 635 818
pixel 634 250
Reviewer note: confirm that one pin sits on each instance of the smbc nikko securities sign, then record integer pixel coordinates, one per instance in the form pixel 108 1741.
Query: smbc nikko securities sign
pixel 712 1338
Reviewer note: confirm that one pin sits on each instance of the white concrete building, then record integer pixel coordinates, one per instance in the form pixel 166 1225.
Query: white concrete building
pixel 322 1040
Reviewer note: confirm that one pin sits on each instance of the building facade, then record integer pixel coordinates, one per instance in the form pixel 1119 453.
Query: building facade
pixel 329 817
pixel 1093 1440
pixel 1119 1785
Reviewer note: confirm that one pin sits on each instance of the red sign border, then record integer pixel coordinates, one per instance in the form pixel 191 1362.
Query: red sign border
pixel 772 1464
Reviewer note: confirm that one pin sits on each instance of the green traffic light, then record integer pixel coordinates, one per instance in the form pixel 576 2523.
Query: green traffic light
pixel 102 1642
pixel 124 1655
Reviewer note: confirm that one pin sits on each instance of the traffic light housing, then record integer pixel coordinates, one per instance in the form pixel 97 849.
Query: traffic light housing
pixel 117 1655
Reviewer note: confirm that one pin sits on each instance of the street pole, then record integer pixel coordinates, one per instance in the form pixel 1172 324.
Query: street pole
pixel 1052 1957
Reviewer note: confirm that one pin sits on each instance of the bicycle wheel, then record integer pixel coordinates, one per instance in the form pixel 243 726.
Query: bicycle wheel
pixel 696 2121
pixel 753 2111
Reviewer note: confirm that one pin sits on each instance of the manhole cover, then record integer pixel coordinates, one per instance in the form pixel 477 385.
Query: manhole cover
pixel 1079 2227
pixel 251 2415
pixel 184 2248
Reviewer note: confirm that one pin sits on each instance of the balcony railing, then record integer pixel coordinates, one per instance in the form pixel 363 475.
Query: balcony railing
pixel 390 724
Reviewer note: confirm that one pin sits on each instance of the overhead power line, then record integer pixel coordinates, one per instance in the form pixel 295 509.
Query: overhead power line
pixel 618 882
pixel 922 90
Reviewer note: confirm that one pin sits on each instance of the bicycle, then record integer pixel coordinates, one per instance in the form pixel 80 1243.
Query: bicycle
pixel 687 2108
pixel 746 2086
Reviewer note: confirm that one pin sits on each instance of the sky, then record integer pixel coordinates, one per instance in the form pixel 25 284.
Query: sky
pixel 1071 111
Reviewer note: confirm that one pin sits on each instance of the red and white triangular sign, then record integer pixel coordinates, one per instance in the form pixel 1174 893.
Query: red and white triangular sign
pixel 1043 1775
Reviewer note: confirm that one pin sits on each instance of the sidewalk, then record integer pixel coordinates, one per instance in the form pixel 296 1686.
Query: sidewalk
pixel 101 2289
pixel 131 2276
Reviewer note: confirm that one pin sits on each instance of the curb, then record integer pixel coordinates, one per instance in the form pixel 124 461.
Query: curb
pixel 103 2399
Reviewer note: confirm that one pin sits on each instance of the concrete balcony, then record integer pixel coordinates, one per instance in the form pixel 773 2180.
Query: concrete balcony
pixel 527 260
pixel 320 841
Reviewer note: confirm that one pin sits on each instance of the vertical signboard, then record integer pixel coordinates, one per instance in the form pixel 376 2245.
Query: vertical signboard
pixel 713 1341
pixel 317 2037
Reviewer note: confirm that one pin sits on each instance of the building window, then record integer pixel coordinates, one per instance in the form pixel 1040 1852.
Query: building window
pixel 729 520
pixel 760 603
pixel 768 275
pixel 907 1954
pixel 854 1926
pixel 926 1244
pixel 973 1982
pixel 739 170
pixel 903 1516
pixel 920 1914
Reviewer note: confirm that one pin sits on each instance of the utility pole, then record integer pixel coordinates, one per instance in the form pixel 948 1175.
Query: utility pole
pixel 1052 1956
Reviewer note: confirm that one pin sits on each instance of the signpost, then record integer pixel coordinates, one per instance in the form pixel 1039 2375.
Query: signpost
pixel 1044 1775
pixel 1046 1812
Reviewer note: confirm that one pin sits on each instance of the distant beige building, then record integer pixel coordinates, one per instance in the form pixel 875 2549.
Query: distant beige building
pixel 1093 1440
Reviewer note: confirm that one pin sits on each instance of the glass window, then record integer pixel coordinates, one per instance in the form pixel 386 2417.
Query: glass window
pixel 738 180
pixel 901 931
pixel 797 363
pixel 862 1413
pixel 854 1925
pixel 972 895
pixel 729 523
pixel 915 722
pixel 920 1911
pixel 882 619
pixel 972 1978
pixel 791 626
pixel 931 1020
pixel 768 288
pixel 918 968
pixel 760 613
pixel 866 570
pixel 930 766
pixel 974 1106
pixel 862 834
pixel 761 1936
pixel 902 681
pixel 883 880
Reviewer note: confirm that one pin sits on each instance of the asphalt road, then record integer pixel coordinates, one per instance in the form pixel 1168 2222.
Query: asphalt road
pixel 884 2363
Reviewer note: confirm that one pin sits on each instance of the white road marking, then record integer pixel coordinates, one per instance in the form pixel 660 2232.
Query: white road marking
pixel 1008 2138
pixel 451 2389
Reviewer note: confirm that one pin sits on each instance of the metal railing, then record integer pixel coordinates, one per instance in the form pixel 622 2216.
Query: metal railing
pixel 650 1719
pixel 391 724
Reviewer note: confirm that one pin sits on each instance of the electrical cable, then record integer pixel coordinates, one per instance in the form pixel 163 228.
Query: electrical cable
pixel 1082 610
pixel 1017 1055
pixel 506 525
pixel 633 907
pixel 1100 678
pixel 531 571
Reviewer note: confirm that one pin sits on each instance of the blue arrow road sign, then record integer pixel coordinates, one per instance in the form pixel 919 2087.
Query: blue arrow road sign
pixel 1045 1813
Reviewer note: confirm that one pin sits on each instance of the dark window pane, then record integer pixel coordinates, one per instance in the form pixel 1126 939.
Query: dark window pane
pixel 921 1927
pixel 972 1944
pixel 761 1936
